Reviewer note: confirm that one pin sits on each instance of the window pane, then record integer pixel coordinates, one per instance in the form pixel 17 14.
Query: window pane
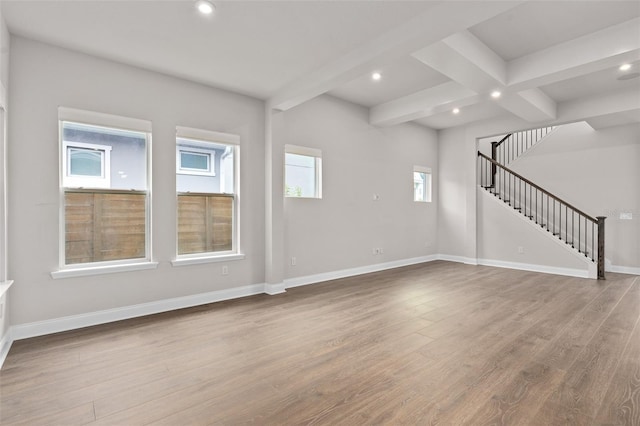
pixel 84 162
pixel 300 175
pixel 194 161
pixel 206 201
pixel 106 220
pixel 418 186
pixel 104 226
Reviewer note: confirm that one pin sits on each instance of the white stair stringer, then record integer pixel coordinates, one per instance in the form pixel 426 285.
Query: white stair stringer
pixel 502 231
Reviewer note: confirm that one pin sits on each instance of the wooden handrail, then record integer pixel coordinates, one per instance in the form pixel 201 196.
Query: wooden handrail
pixel 502 140
pixel 538 187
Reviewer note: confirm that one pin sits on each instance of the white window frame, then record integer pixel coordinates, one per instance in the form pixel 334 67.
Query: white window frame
pixel 108 121
pixel 211 137
pixel 79 181
pixel 428 184
pixel 211 160
pixel 316 154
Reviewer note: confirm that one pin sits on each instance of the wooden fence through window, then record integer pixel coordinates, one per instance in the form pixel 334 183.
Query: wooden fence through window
pixel 102 225
pixel 205 222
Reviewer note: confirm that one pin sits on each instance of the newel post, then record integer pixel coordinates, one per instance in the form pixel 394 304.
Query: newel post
pixel 601 247
pixel 494 155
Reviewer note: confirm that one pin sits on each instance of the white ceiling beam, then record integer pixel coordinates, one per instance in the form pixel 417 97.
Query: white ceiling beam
pixel 466 60
pixel 531 105
pixel 615 119
pixel 422 104
pixel 584 55
pixel 625 102
pixel 469 62
pixel 440 21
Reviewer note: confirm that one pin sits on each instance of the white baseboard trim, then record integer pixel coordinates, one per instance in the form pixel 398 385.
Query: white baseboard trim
pixel 56 325
pixel 344 273
pixel 458 259
pixel 570 272
pixel 5 345
pixel 273 289
pixel 624 270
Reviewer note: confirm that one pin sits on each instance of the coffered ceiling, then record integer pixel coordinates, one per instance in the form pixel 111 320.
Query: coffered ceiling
pixel 552 61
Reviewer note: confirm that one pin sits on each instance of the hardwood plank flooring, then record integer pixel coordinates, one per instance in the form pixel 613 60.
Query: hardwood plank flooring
pixel 437 343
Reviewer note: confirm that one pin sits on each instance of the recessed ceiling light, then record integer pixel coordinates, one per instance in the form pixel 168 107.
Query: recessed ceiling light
pixel 495 94
pixel 376 76
pixel 625 67
pixel 205 7
pixel 456 110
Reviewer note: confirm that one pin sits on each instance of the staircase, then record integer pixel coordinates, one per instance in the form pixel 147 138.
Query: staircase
pixel 515 144
pixel 582 232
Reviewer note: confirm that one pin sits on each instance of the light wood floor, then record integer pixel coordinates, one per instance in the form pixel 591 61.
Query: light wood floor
pixel 438 343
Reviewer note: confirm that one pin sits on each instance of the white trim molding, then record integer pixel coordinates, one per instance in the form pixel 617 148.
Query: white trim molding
pixel 5 345
pixel 624 270
pixel 344 273
pixel 209 258
pixel 570 272
pixel 4 287
pixel 99 270
pixel 56 325
pixel 458 259
pixel 273 289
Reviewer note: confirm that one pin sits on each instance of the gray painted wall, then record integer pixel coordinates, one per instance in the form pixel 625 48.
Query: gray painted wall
pixel 358 160
pixel 85 82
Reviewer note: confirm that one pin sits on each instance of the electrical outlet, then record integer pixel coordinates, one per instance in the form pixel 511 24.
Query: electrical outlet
pixel 376 197
pixel 293 261
pixel 225 270
pixel 520 249
pixel 374 251
pixel 626 216
pixel 380 251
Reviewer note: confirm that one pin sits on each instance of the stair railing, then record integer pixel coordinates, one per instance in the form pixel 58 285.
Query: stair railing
pixel 515 144
pixel 570 224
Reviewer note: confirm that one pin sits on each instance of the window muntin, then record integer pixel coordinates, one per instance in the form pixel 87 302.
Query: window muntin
pixel 105 214
pixel 303 172
pixel 421 184
pixel 207 202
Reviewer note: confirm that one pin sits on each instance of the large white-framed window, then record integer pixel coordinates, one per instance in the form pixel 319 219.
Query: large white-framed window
pixel 207 202
pixel 302 172
pixel 421 184
pixel 105 192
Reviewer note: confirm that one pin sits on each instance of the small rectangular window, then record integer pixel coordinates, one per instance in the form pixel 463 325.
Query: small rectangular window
pixel 207 200
pixel 303 172
pixel 421 184
pixel 86 165
pixel 105 191
pixel 193 160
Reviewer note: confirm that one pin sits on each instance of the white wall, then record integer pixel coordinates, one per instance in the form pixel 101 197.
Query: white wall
pixel 569 172
pixel 598 171
pixel 5 299
pixel 340 230
pixel 457 157
pixel 45 77
pixel 501 233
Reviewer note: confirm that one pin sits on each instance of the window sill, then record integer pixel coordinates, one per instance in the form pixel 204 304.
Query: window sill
pixel 99 270
pixel 184 261
pixel 4 287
